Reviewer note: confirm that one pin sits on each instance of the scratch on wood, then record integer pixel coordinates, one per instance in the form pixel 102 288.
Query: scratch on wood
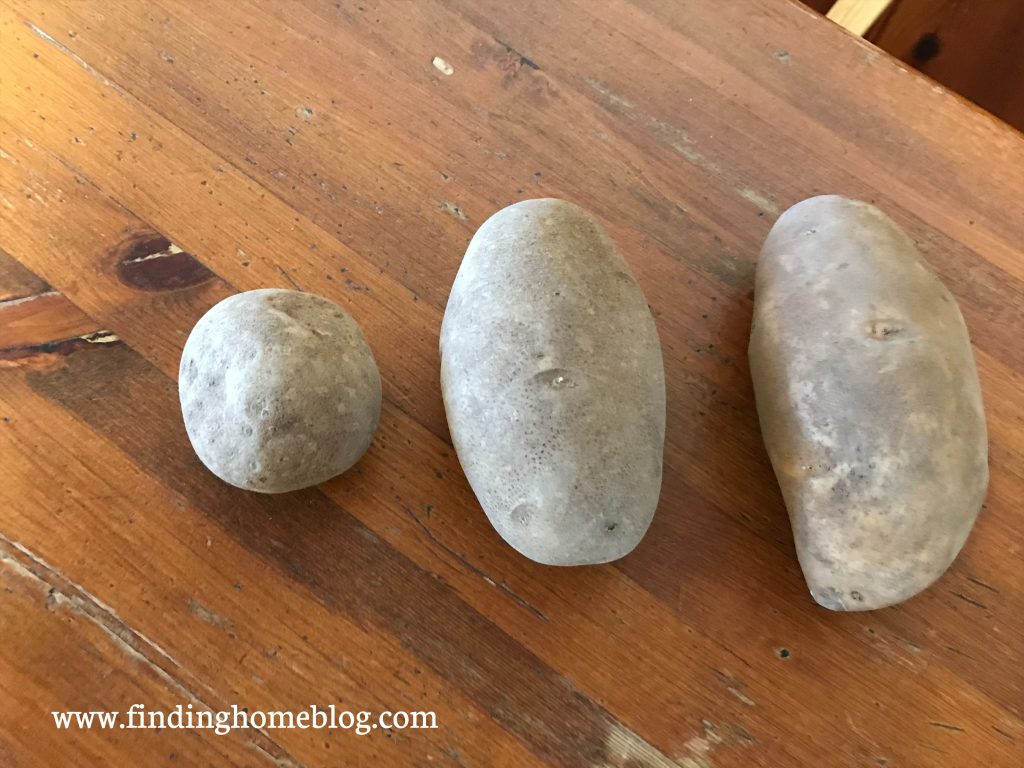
pixel 681 142
pixel 453 209
pixel 966 599
pixel 700 747
pixel 733 685
pixel 624 749
pixel 911 646
pixel 958 652
pixel 203 613
pixel 288 277
pixel 982 584
pixel 741 696
pixel 68 52
pixel 473 569
pixel 25 299
pixel 761 201
pixel 612 99
pixel 732 653
pixel 62 592
pixel 861 733
pixel 523 61
pixel 677 140
pixel 892 649
pixel 948 727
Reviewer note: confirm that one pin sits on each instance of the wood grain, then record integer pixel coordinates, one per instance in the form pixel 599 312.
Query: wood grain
pixel 316 145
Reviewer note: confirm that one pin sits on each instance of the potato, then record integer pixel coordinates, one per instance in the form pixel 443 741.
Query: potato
pixel 279 390
pixel 554 386
pixel 869 403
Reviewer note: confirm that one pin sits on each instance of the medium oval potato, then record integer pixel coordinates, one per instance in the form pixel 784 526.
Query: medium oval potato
pixel 554 386
pixel 279 390
pixel 869 403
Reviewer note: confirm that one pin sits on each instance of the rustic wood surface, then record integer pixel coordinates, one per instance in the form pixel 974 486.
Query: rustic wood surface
pixel 318 145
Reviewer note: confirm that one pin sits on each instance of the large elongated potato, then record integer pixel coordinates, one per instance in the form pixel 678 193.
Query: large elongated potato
pixel 869 403
pixel 554 386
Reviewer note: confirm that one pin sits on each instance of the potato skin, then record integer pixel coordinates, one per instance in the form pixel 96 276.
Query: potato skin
pixel 554 386
pixel 279 390
pixel 869 403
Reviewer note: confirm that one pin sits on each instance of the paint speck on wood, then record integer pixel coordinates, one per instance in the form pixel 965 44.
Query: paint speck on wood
pixel 443 66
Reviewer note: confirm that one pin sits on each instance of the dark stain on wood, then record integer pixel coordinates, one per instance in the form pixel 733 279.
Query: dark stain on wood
pixel 926 48
pixel 149 261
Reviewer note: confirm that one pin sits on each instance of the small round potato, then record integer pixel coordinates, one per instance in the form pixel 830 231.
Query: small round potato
pixel 869 403
pixel 554 386
pixel 279 390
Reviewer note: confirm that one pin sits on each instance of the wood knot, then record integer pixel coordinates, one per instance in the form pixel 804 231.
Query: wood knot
pixel 149 261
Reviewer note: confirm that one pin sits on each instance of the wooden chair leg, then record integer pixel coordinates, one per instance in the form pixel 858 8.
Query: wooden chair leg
pixel 857 15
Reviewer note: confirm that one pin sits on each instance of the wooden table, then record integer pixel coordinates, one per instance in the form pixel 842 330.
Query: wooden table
pixel 351 150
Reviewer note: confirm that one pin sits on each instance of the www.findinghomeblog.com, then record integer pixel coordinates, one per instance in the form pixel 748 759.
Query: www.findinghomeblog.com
pixel 222 722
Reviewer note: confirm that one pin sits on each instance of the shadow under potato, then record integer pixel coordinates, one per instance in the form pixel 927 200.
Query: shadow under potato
pixel 719 499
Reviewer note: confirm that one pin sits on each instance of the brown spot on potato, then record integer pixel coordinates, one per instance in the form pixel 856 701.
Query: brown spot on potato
pixel 884 329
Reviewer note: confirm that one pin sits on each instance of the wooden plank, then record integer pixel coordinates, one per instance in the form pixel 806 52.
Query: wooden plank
pixel 51 624
pixel 44 317
pixel 388 583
